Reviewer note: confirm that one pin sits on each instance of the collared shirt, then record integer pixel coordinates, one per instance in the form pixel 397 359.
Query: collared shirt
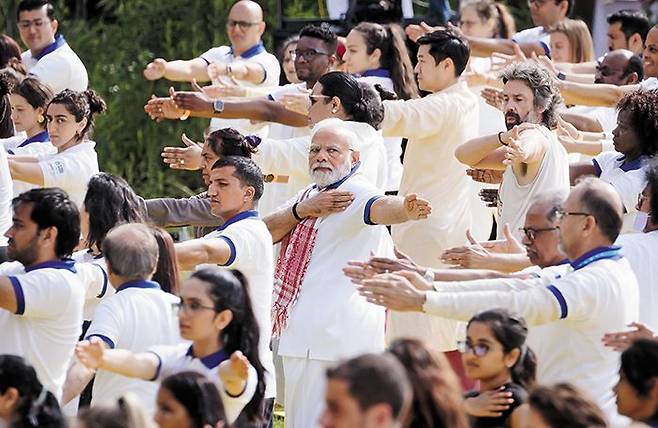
pixel 535 35
pixel 58 66
pixel 137 317
pixel 180 358
pixel 48 319
pixel 37 145
pixel 251 253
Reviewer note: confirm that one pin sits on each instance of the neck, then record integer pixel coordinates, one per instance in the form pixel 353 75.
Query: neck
pixel 588 246
pixel 231 214
pixel 495 382
pixel 237 51
pixel 555 261
pixel 33 131
pixel 71 143
pixel 651 226
pixel 447 84
pixel 631 156
pixel 37 51
pixel 48 256
pixel 204 347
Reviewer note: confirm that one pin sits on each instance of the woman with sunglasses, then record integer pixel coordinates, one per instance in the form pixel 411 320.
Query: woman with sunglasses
pixel 215 315
pixel 495 353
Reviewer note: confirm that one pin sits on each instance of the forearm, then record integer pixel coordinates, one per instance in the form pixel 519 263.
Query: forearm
pixel 589 148
pixel 475 152
pixel 484 47
pixel 388 210
pixel 129 364
pixel 190 254
pixel 181 212
pixel 28 172
pixel 185 71
pixel 466 274
pixel 590 94
pixel 261 110
pixel 280 223
pixel 77 378
pixel 578 68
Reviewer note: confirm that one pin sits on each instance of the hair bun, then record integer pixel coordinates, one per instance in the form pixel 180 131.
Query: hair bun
pixel 96 103
pixel 5 85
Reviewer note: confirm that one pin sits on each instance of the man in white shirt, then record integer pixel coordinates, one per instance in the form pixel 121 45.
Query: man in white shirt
pixel 41 310
pixel 532 158
pixel 598 295
pixel 49 57
pixel 245 63
pixel 317 313
pixel 137 317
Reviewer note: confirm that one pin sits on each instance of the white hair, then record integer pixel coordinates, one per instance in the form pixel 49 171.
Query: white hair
pixel 339 127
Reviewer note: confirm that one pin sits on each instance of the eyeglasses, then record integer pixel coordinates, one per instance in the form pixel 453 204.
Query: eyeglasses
pixel 641 197
pixel 539 3
pixel 561 214
pixel 466 347
pixel 531 233
pixel 314 98
pixel 37 23
pixel 243 25
pixel 192 307
pixel 308 55
pixel 333 152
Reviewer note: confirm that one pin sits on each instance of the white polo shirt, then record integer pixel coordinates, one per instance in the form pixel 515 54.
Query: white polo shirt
pixel 70 170
pixel 48 321
pixel 256 54
pixel 6 189
pixel 599 295
pixel 58 66
pixel 535 34
pixel 330 320
pixel 628 179
pixel 251 253
pixel 139 316
pixel 38 144
pixel 94 274
pixel 179 358
pixel 640 249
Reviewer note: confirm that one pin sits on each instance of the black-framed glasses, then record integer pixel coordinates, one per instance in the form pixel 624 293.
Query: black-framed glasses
pixel 531 232
pixel 243 25
pixel 192 307
pixel 479 350
pixel 561 214
pixel 40 22
pixel 309 54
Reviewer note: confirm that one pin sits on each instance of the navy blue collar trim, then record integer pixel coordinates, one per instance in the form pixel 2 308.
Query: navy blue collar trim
pixel 342 180
pixel 210 361
pixel 600 253
pixel 41 137
pixel 377 72
pixel 67 264
pixel 563 262
pixel 139 283
pixel 632 165
pixel 239 216
pixel 58 43
pixel 252 51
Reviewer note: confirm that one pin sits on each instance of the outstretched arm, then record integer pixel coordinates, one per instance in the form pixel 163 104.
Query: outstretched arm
pixel 177 70
pixel 194 252
pixel 396 209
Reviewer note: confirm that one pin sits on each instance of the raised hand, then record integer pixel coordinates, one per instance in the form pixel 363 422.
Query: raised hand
pixel 416 208
pixel 155 69
pixel 489 404
pixel 193 101
pixel 358 271
pixel 299 103
pixel 401 262
pixel 468 256
pixel 493 97
pixel 415 31
pixel 325 203
pixel 488 176
pixel 393 291
pixel 619 341
pixel 515 150
pixel 188 157
pixel 504 59
pixel 90 352
pixel 162 108
pixel 219 90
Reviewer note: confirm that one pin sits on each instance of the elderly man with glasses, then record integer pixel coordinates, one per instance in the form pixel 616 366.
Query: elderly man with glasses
pixel 574 311
pixel 48 57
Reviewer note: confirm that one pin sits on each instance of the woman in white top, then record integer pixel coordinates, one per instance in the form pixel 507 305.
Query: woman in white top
pixel 215 315
pixel 29 100
pixel 378 54
pixel 70 117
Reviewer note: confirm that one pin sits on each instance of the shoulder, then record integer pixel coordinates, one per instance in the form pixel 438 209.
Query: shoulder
pixel 218 53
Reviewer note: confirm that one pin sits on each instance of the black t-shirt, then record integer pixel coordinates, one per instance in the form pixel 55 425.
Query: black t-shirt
pixel 519 395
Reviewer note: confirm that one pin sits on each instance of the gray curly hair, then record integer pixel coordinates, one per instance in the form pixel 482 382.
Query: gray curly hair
pixel 546 95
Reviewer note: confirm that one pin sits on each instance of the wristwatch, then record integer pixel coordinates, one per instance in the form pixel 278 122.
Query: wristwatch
pixel 561 76
pixel 218 106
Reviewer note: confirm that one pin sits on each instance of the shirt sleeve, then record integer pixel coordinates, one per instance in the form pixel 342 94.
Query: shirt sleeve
pixel 415 118
pixel 244 245
pixel 233 405
pixel 217 54
pixel 283 157
pixel 41 294
pixel 166 355
pixel 53 70
pixel 107 323
pixel 497 284
pixel 181 212
pixel 94 279
pixel 62 171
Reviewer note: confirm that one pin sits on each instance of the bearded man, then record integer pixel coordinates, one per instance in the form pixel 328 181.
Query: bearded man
pixel 317 312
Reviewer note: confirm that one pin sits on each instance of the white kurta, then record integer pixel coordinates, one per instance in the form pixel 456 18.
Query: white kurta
pixel 435 126
pixel 598 296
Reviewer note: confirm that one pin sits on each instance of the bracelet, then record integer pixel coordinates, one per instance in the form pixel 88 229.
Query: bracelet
pixel 186 114
pixel 294 212
pixel 229 70
pixel 500 139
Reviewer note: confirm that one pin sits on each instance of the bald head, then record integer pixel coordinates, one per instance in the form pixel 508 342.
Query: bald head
pixel 131 251
pixel 602 201
pixel 619 67
pixel 245 26
pixel 247 9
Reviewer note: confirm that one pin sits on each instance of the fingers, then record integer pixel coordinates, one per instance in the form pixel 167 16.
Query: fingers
pixel 196 87
pixel 507 232
pixel 399 254
pixel 186 141
pixel 470 238
pixel 172 92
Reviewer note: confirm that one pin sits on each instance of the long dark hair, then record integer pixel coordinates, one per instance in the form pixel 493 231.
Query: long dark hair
pixel 166 272
pixel 437 398
pixel 198 395
pixel 228 291
pixel 6 124
pixel 390 40
pixel 37 407
pixel 511 332
pixel 360 101
pixel 110 201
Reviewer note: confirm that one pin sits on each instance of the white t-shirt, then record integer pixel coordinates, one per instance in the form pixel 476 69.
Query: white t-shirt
pixel 628 180
pixel 256 54
pixel 71 170
pixel 600 295
pixel 640 249
pixel 94 274
pixel 35 146
pixel 514 199
pixel 532 35
pixel 179 358
pixel 435 126
pixel 61 68
pixel 251 254
pixel 330 320
pixel 139 316
pixel 6 191
pixel 48 322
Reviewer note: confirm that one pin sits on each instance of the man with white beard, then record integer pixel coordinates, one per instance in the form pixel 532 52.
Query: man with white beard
pixel 317 312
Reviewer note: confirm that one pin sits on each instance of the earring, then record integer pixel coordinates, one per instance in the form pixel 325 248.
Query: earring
pixel 40 118
pixel 334 110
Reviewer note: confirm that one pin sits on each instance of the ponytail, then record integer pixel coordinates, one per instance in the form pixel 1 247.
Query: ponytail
pixel 229 291
pixel 229 142
pixel 6 124
pixel 506 25
pixel 402 71
pixel 524 370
